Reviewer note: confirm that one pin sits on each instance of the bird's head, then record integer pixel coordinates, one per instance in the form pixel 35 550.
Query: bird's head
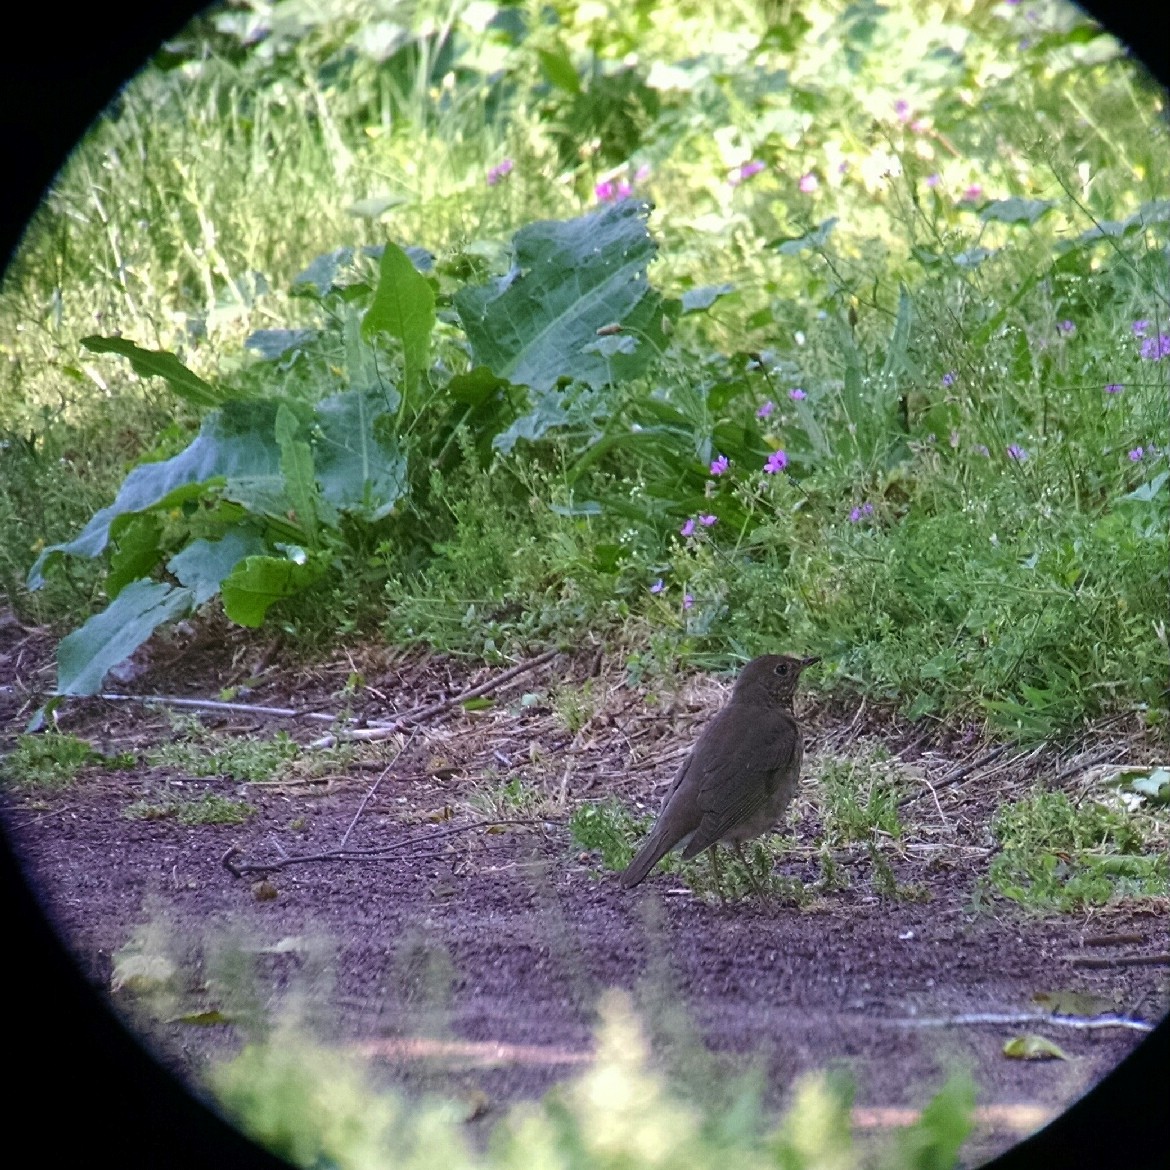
pixel 771 677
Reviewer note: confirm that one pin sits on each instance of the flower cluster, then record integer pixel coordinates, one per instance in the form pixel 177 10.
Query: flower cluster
pixel 777 461
pixel 1155 348
pixel 860 512
pixel 500 171
pixel 611 189
pixel 720 464
pixel 1016 452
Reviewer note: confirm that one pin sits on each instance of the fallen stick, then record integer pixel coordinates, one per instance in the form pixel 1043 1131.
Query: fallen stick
pixel 974 1018
pixel 1100 961
pixel 374 788
pixel 220 705
pixel 228 860
pixel 385 730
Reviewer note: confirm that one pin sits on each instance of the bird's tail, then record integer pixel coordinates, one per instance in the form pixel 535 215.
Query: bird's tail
pixel 654 848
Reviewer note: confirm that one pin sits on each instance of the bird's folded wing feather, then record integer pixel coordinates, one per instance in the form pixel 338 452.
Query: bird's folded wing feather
pixel 757 748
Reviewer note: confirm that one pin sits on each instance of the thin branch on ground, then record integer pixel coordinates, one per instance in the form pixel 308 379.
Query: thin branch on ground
pixel 970 1019
pixel 374 788
pixel 385 730
pixel 1103 961
pixel 237 869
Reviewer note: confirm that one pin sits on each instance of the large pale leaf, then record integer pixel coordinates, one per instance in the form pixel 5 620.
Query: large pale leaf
pixel 570 279
pixel 109 637
pixel 236 445
pixel 203 564
pixel 296 465
pixel 158 363
pixel 359 466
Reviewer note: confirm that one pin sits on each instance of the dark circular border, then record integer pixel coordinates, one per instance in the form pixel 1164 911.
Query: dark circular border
pixel 82 1086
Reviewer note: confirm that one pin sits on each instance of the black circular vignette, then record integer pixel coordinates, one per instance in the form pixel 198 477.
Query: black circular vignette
pixel 82 1084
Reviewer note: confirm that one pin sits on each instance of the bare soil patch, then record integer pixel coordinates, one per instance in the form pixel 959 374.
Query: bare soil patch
pixel 471 962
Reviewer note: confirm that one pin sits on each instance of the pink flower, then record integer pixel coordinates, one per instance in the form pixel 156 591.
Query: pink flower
pixel 719 465
pixel 972 193
pixel 499 171
pixel 797 394
pixel 624 190
pixel 605 191
pixel 745 172
pixel 642 173
pixel 777 461
pixel 808 183
pixel 766 409
pixel 708 520
pixel 933 180
pixel 902 109
pixel 688 529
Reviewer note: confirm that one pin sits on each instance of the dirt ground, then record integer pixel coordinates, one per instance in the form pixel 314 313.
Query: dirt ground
pixel 470 961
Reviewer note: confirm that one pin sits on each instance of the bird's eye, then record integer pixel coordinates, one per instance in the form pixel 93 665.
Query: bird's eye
pixel 782 668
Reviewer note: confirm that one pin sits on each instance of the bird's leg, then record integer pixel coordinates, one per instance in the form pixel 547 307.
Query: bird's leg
pixel 715 873
pixel 738 847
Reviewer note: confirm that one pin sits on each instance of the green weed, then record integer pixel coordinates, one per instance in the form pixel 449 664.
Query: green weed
pixel 209 809
pixel 1057 855
pixel 49 760
pixel 199 752
pixel 859 797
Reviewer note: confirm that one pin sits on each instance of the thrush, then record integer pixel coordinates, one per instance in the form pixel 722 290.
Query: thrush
pixel 738 779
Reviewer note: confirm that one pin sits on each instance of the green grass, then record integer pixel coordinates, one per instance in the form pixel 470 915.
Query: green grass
pixel 1057 855
pixel 197 751
pixel 51 760
pixel 209 809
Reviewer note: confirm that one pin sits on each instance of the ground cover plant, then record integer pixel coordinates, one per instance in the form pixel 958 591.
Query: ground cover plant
pixel 487 328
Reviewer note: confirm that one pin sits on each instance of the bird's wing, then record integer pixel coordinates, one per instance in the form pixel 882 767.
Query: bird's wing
pixel 739 769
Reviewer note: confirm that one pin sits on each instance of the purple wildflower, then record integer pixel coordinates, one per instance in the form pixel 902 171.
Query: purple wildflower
pixel 1114 388
pixel 919 125
pixel 688 529
pixel 1016 452
pixel 642 173
pixel 902 109
pixel 688 601
pixel 496 173
pixel 1136 454
pixel 972 193
pixel 658 586
pixel 605 191
pixel 719 465
pixel 746 171
pixel 948 379
pixel 1066 328
pixel 708 520
pixel 766 409
pixel 777 461
pixel 1154 349
pixel 808 183
pixel 624 190
pixel 797 394
pixel 1141 328
pixel 933 180
pixel 983 450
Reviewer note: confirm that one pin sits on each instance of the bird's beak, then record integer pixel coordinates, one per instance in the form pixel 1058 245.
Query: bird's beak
pixel 808 662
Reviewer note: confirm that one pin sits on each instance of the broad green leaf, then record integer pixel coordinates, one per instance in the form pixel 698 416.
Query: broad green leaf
pixel 1033 1047
pixel 137 538
pixel 792 245
pixel 257 583
pixel 558 70
pixel 404 307
pixel 271 344
pixel 359 466
pixel 203 564
pixel 324 274
pixel 1015 210
pixel 895 361
pixel 296 465
pixel 156 363
pixel 476 386
pixel 236 448
pixel 695 300
pixel 111 636
pixel 1149 490
pixel 569 279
